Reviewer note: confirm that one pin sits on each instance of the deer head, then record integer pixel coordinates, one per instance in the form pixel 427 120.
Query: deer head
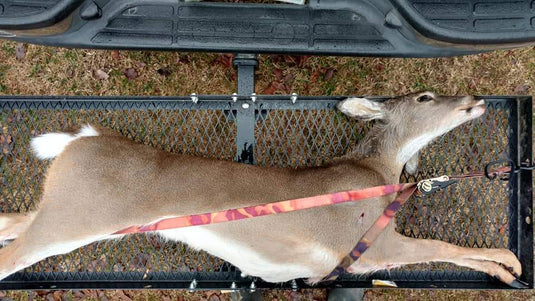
pixel 407 123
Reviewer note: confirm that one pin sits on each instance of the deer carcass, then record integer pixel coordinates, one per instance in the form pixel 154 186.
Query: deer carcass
pixel 100 182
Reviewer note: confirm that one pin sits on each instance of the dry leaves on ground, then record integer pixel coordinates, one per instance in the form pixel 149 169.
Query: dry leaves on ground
pixel 131 73
pixel 20 51
pixel 99 74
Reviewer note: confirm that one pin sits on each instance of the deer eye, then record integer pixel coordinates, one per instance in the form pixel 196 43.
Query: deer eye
pixel 424 98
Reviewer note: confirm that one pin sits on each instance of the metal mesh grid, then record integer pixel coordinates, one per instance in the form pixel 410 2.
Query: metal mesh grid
pixel 295 136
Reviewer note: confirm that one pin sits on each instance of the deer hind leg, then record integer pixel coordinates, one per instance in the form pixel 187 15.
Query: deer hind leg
pixel 34 245
pixel 395 249
pixel 13 224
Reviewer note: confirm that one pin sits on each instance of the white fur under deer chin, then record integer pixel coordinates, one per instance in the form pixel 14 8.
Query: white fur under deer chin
pixel 248 261
pixel 49 146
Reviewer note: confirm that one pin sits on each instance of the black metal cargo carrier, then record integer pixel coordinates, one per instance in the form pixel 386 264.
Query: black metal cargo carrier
pixel 282 131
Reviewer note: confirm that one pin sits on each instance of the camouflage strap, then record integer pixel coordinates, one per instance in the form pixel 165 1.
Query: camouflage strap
pixel 267 209
pixel 373 232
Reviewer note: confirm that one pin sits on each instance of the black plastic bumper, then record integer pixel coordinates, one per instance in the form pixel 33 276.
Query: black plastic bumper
pixel 405 28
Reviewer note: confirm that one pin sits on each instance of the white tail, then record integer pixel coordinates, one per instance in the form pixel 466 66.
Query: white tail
pixel 49 146
pixel 107 183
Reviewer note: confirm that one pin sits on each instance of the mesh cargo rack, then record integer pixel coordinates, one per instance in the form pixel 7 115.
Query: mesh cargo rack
pixel 281 131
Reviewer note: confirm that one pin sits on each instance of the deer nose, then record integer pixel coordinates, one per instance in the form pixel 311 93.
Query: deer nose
pixel 480 102
pixel 466 100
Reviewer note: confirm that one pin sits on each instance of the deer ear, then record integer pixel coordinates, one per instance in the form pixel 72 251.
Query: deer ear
pixel 361 108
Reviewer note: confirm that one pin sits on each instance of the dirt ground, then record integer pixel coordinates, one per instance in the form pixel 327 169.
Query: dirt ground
pixel 36 70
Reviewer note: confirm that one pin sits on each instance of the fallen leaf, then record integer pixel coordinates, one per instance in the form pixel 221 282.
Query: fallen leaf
pixel 184 59
pixel 57 295
pixel 32 296
pixel 289 77
pixel 277 58
pixel 41 293
pixel 131 73
pixel 214 297
pixel 20 51
pixel 471 84
pixel 277 73
pixel 69 72
pixel 314 77
pixel 66 297
pixel 329 74
pixel 140 260
pixel 165 71
pixel 121 295
pixel 280 87
pixel 225 60
pixel 424 210
pixel 115 54
pixel 78 294
pixel 294 296
pixel 129 294
pixel 380 67
pixel 521 89
pixel 86 292
pixel 156 243
pixel 102 297
pixel 99 74
pixel 269 90
pixel 301 60
pixel 49 297
pixel 141 65
pixel 290 60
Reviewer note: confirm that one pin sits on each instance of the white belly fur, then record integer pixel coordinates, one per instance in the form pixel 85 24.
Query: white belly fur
pixel 247 260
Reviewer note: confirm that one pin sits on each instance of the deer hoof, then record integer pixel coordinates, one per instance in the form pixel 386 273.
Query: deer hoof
pixel 512 271
pixel 519 284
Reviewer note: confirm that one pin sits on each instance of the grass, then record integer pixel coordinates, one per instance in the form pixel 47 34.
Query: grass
pixel 56 71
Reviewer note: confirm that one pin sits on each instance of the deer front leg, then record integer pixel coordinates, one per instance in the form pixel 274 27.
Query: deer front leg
pixel 394 249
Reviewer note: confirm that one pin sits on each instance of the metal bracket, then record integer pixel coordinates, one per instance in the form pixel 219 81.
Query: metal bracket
pixel 246 64
pixel 245 109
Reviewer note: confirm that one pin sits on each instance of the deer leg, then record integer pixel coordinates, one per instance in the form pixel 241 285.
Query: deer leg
pixel 34 245
pixel 494 269
pixel 12 225
pixel 394 249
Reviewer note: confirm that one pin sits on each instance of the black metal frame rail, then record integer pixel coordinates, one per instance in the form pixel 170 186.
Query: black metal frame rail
pixel 245 108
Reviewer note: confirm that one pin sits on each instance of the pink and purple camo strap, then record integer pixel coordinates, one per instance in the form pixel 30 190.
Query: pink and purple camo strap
pixel 267 209
pixel 373 232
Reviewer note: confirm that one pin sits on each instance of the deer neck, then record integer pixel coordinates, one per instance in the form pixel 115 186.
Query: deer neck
pixel 386 149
